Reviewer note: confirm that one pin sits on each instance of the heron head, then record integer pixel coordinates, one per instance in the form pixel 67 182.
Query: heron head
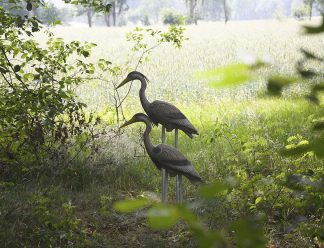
pixel 132 76
pixel 139 117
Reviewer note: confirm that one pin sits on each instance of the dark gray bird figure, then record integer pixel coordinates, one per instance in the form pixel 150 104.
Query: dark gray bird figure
pixel 164 156
pixel 161 112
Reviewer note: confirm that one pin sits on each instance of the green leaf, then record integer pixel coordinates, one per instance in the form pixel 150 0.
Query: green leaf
pixel 28 77
pixel 291 150
pixel 213 190
pixel 231 75
pixel 85 54
pixel 163 216
pixel 132 205
pixel 55 22
pixel 258 200
pixel 29 6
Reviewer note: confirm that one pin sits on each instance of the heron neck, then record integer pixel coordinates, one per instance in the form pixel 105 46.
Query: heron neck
pixel 145 103
pixel 147 142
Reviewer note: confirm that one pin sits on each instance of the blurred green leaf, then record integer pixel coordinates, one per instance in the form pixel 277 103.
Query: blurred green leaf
pixel 313 98
pixel 207 239
pixel 292 149
pixel 29 6
pixel 306 73
pixel 276 83
pixel 213 190
pixel 163 216
pixel 318 125
pixel 28 77
pixel 231 75
pixel 310 55
pixel 314 30
pixel 187 215
pixel 249 233
pixel 318 87
pixel 318 146
pixel 258 200
pixel 132 205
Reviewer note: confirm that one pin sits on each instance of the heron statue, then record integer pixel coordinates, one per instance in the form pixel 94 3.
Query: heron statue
pixel 170 117
pixel 164 156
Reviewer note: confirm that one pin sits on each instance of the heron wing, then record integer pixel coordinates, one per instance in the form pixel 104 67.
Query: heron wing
pixel 166 114
pixel 166 110
pixel 170 158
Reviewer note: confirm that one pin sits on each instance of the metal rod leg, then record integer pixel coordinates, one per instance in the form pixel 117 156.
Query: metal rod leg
pixel 164 175
pixel 178 177
pixel 164 185
pixel 163 135
pixel 179 188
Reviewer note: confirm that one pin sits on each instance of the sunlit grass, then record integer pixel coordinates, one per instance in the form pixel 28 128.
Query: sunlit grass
pixel 171 71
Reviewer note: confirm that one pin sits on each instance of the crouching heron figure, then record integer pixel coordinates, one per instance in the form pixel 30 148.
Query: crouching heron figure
pixel 169 116
pixel 164 156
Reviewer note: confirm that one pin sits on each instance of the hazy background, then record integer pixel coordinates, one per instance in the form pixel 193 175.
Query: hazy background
pixel 151 12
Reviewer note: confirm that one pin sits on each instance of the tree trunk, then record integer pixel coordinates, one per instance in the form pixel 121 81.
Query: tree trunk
pixel 107 19
pixel 89 14
pixel 114 13
pixel 192 7
pixel 225 11
pixel 311 9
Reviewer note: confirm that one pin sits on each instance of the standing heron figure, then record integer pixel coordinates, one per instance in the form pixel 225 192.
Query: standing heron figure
pixel 164 156
pixel 169 116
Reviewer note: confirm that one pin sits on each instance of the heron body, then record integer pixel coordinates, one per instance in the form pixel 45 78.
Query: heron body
pixel 164 156
pixel 161 112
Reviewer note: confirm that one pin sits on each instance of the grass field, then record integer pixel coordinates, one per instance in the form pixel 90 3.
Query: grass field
pixel 210 45
pixel 241 133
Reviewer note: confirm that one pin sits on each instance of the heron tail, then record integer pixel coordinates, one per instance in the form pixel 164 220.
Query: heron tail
pixel 195 180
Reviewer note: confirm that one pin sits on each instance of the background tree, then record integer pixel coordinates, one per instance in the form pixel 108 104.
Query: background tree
pixel 217 9
pixel 310 4
pixel 118 7
pixel 320 6
pixel 192 6
pixel 226 9
pixel 90 7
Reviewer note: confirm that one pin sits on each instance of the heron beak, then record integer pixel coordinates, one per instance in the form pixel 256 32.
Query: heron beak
pixel 125 81
pixel 127 123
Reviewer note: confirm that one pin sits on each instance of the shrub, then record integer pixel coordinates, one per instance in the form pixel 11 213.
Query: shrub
pixel 172 17
pixel 300 12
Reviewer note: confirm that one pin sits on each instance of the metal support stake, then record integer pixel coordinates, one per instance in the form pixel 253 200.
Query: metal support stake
pixel 178 177
pixel 164 175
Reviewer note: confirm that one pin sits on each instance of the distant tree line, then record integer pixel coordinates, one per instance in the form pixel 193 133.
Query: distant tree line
pixel 119 12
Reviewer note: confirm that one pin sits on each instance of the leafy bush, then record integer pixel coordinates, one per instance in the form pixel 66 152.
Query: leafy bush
pixel 171 17
pixel 300 12
pixel 39 110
